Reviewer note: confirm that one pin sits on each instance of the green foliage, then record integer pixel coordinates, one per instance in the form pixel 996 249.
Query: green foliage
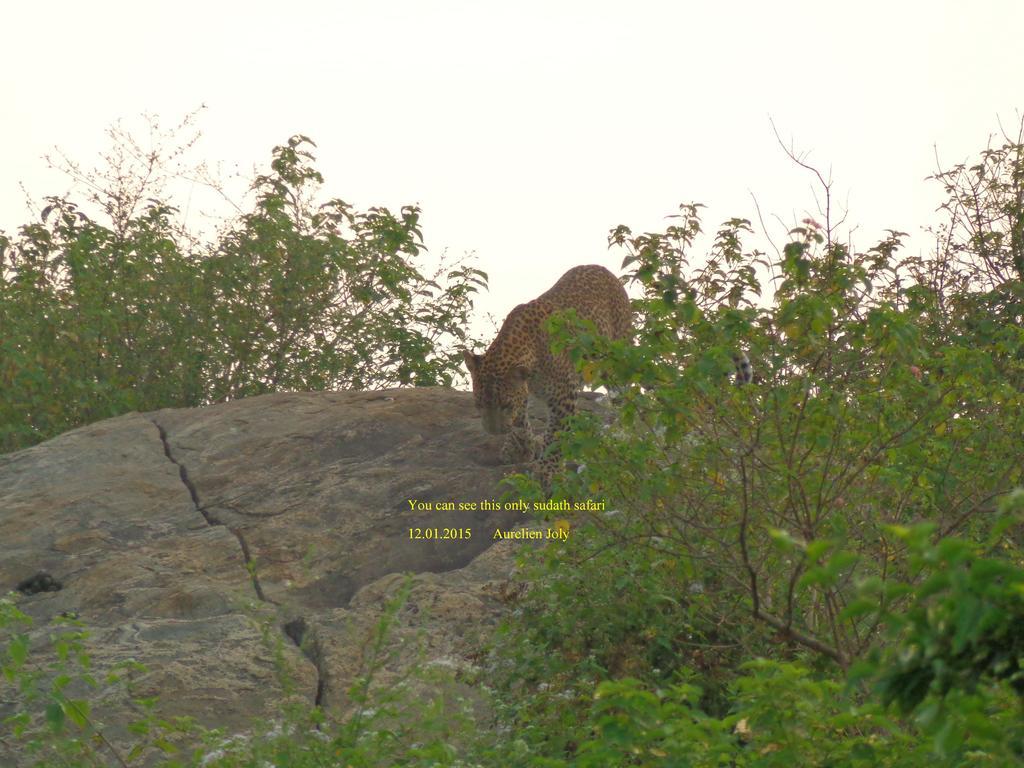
pixel 58 701
pixel 592 615
pixel 841 510
pixel 821 568
pixel 386 726
pixel 863 420
pixel 782 717
pixel 984 233
pixel 295 295
pixel 964 626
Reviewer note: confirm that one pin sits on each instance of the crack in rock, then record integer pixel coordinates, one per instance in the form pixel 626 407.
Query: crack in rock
pixel 183 474
pixel 209 517
pixel 251 566
pixel 297 630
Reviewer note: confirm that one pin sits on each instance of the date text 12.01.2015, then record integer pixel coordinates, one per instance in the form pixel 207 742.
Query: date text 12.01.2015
pixel 440 533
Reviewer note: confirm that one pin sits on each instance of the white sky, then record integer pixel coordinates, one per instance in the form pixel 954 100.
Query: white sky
pixel 526 130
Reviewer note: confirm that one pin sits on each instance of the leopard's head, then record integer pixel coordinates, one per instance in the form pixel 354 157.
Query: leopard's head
pixel 499 391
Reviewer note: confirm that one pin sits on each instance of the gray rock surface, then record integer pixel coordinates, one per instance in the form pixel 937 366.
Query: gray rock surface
pixel 215 544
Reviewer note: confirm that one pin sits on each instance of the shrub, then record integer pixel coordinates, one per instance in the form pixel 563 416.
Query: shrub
pixel 138 315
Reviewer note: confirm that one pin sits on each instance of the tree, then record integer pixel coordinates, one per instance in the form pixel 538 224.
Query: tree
pixel 139 314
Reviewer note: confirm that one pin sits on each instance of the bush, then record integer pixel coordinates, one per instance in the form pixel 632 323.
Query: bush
pixel 838 514
pixel 136 315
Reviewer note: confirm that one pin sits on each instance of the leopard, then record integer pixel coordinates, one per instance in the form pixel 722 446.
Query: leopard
pixel 520 362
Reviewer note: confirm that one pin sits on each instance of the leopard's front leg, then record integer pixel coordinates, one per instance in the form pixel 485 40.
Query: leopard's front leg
pixel 560 409
pixel 520 444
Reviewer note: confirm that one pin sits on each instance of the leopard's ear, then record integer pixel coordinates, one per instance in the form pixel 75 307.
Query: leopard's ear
pixel 472 361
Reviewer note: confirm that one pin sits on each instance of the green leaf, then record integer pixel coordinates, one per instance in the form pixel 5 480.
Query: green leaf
pixel 858 608
pixel 817 548
pixel 784 540
pixel 164 746
pixel 55 716
pixel 77 711
pixel 17 650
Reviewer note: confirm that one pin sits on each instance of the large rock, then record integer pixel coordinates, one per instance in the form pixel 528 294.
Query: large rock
pixel 178 536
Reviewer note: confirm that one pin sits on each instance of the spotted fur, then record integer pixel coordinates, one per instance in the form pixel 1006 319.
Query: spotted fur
pixel 744 370
pixel 520 362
